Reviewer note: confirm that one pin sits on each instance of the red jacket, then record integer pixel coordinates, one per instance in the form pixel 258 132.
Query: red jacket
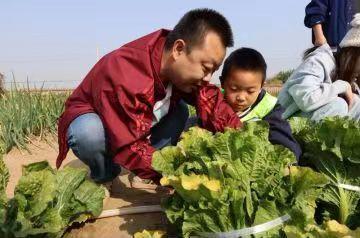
pixel 122 89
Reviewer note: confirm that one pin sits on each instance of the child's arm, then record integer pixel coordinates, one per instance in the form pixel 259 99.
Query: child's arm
pixel 312 86
pixel 280 131
pixel 316 12
pixel 214 112
pixel 319 35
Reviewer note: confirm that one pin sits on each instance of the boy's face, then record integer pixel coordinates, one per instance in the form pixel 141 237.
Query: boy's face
pixel 242 87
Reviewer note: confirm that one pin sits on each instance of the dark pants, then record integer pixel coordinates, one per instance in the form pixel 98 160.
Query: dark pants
pixel 87 139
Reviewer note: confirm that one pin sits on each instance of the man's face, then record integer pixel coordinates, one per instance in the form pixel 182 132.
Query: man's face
pixel 242 87
pixel 190 70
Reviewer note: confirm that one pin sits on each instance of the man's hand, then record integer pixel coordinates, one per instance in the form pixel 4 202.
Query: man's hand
pixel 147 184
pixel 208 102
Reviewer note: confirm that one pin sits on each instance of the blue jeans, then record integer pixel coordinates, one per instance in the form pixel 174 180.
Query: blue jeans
pixel 87 139
pixel 337 107
pixel 354 112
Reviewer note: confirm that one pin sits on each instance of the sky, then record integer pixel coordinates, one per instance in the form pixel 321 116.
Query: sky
pixel 55 43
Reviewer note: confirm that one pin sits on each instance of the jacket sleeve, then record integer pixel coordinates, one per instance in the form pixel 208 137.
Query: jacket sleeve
pixel 280 131
pixel 129 127
pixel 135 153
pixel 310 91
pixel 214 112
pixel 126 113
pixel 315 12
pixel 137 158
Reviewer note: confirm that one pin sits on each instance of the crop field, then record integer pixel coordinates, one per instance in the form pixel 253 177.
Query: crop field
pixel 225 182
pixel 28 134
pixel 26 114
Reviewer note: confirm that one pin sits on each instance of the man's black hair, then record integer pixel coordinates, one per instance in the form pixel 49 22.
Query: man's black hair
pixel 245 59
pixel 195 24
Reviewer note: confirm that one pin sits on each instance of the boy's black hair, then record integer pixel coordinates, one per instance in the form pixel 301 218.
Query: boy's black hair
pixel 246 59
pixel 194 25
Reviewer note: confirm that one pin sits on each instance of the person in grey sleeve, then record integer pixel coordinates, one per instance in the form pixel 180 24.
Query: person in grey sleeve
pixel 324 85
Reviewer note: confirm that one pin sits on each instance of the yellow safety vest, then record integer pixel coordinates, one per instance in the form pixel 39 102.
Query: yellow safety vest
pixel 263 108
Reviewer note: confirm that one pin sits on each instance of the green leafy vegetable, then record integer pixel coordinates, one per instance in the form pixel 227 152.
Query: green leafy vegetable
pixel 332 148
pixel 4 179
pixel 149 234
pixel 237 179
pixel 46 202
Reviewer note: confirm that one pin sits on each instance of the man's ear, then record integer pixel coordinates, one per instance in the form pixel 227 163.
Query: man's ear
pixel 179 48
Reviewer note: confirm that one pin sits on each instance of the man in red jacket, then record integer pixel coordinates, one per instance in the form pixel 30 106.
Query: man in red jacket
pixel 132 101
